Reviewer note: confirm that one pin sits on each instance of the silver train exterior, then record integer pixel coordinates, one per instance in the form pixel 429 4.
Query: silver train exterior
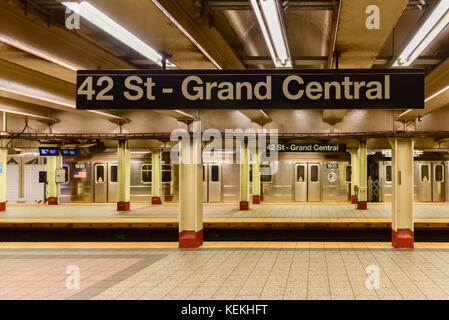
pixel 431 180
pixel 294 177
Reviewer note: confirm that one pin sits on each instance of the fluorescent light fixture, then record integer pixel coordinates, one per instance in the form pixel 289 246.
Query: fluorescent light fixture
pixel 98 18
pixel 434 24
pixel 104 114
pixel 36 52
pixel 436 93
pixel 180 27
pixel 269 18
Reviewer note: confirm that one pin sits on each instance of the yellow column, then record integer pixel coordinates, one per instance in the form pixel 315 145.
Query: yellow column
pixel 256 175
pixel 190 194
pixel 3 166
pixel 363 173
pixel 53 164
pixel 354 174
pixel 156 176
pixel 244 176
pixel 402 201
pixel 123 176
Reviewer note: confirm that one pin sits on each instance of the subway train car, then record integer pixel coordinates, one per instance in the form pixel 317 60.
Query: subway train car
pixel 295 177
pixel 430 181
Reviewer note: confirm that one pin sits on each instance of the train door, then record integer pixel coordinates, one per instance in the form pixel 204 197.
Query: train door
pixel 301 182
pixel 112 182
pixel 313 182
pixel 100 183
pixel 438 192
pixel 205 179
pixel 214 182
pixel 424 180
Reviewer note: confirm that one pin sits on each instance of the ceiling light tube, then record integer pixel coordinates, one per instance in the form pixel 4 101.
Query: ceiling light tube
pixel 269 19
pixel 436 93
pixel 436 22
pixel 98 18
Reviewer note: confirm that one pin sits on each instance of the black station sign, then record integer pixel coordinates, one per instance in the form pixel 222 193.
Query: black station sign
pixel 251 89
pixel 306 147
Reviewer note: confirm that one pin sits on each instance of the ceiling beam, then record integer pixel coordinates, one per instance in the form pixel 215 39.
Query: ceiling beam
pixel 56 44
pixel 204 35
pixel 323 60
pixel 361 51
pixel 24 110
pixel 177 114
pixel 257 116
pixel 32 87
pixel 436 92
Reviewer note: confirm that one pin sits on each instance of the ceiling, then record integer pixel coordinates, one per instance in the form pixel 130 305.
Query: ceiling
pixel 40 73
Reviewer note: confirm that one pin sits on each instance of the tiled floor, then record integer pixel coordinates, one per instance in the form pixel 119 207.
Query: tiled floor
pixel 263 271
pixel 297 210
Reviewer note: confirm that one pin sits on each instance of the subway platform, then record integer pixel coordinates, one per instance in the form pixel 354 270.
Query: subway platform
pixel 222 221
pixel 223 271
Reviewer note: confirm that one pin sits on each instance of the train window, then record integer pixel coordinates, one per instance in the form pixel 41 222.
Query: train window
pixel 145 173
pixel 425 173
pixel 114 173
pixel 66 174
pixel 99 173
pixel 388 173
pixel 300 173
pixel 314 173
pixel 166 173
pixel 215 173
pixel 265 173
pixel 439 173
pixel 348 172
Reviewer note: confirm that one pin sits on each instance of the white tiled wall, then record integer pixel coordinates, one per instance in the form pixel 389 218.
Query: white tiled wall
pixel 33 190
pixel 12 183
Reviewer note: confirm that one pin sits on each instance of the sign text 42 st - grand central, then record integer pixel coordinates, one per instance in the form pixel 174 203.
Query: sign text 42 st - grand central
pixel 251 89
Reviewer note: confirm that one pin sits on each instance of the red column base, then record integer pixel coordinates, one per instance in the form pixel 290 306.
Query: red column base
pixel 123 206
pixel 156 200
pixel 53 201
pixel 256 199
pixel 190 239
pixel 354 199
pixel 361 205
pixel 244 205
pixel 403 238
pixel 2 206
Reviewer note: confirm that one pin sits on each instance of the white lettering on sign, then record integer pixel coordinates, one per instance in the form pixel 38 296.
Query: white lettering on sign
pixel 193 88
pixel 334 90
pixel 188 89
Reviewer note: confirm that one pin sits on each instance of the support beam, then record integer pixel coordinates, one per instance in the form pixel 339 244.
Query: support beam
pixel 56 44
pixel 156 176
pixel 244 175
pixel 190 194
pixel 3 167
pixel 436 92
pixel 257 116
pixel 362 171
pixel 355 178
pixel 53 164
pixel 402 235
pixel 31 87
pixel 124 176
pixel 361 51
pixel 255 158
